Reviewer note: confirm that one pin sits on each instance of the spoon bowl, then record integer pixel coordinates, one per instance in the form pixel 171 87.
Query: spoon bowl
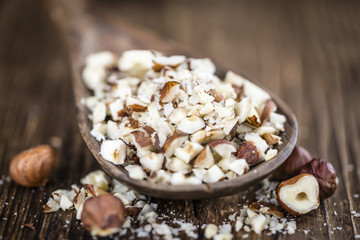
pixel 86 30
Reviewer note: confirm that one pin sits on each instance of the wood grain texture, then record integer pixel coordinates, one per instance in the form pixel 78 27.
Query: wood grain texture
pixel 306 52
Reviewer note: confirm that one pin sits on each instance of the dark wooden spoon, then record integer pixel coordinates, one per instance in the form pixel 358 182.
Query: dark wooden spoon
pixel 86 30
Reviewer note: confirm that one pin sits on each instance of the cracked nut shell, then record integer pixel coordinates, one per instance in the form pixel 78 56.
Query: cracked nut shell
pixel 103 215
pixel 292 166
pixel 32 167
pixel 324 173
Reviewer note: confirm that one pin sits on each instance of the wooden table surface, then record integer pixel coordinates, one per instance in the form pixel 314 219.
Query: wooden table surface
pixel 306 52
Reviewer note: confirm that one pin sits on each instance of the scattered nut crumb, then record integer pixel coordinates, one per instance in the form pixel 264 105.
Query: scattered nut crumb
pixel 29 225
pixel 165 225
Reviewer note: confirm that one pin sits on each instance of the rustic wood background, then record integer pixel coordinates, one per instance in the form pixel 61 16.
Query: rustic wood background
pixel 306 52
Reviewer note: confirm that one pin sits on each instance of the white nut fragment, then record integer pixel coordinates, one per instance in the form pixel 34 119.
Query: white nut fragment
pixel 210 230
pixel 199 172
pixel 257 95
pixel 93 76
pixel 177 115
pixel 177 165
pixel 271 153
pixel 265 129
pixel 229 125
pixel 171 61
pixel 51 206
pixel 188 151
pixel 213 174
pixel 257 222
pixel 224 112
pixel 99 113
pixel 115 107
pixel 242 109
pixel 203 136
pixel 205 159
pixel 205 98
pixel 113 151
pixel 169 92
pixel 173 142
pixel 97 178
pixel 136 172
pixel 223 236
pixel 161 176
pixel 152 161
pixel 136 62
pixel 206 109
pixel 223 147
pixel 202 64
pixel 191 124
pixel 65 202
pixel 278 120
pixel 260 143
pixel 101 59
pixel 239 166
pixel 99 130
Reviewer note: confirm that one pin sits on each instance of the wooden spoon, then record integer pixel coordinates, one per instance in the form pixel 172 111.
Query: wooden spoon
pixel 86 30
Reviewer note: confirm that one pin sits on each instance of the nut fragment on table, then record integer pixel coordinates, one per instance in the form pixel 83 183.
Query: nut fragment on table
pixel 143 217
pixel 103 215
pixel 299 195
pixel 165 114
pixel 33 167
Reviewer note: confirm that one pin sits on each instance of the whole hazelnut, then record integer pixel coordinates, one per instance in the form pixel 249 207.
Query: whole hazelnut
pixel 324 173
pixel 291 167
pixel 32 167
pixel 103 215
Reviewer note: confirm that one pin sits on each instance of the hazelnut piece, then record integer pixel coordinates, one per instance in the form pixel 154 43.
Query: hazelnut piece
pixel 249 152
pixel 103 215
pixel 291 167
pixel 32 167
pixel 266 208
pixel 324 173
pixel 298 195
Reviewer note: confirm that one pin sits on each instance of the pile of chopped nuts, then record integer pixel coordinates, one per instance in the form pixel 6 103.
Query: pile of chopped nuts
pixel 172 120
pixel 107 207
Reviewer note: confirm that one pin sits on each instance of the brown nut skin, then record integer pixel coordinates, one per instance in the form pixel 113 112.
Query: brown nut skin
pixel 248 151
pixel 289 182
pixel 103 215
pixel 291 167
pixel 272 209
pixel 32 167
pixel 324 173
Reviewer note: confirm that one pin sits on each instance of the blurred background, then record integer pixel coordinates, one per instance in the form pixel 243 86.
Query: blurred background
pixel 306 52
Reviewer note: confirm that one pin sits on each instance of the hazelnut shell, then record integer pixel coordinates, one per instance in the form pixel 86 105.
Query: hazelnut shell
pixel 32 167
pixel 292 166
pixel 324 173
